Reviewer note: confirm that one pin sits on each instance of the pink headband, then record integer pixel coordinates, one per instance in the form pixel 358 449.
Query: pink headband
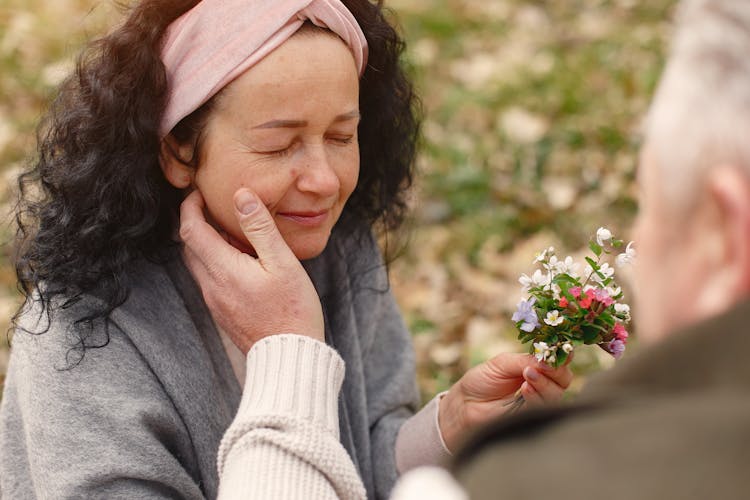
pixel 218 40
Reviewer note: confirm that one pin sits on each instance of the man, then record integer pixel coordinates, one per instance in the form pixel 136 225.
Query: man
pixel 673 421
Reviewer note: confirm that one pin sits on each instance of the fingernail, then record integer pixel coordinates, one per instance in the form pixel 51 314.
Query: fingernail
pixel 246 202
pixel 532 374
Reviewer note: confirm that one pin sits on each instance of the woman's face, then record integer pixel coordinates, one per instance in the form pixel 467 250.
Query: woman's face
pixel 286 129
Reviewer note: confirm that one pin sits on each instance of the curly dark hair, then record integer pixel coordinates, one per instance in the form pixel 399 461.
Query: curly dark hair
pixel 95 199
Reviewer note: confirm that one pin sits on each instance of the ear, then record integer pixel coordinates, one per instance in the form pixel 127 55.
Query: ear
pixel 176 172
pixel 726 248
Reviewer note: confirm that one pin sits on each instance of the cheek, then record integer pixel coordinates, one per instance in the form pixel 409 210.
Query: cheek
pixel 349 175
pixel 663 288
pixel 648 277
pixel 219 182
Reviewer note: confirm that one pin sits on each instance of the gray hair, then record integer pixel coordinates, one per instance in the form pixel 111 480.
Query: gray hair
pixel 700 117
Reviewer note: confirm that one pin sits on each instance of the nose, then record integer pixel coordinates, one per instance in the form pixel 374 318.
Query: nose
pixel 318 175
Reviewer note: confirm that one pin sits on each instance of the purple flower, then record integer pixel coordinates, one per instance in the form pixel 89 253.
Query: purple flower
pixel 615 348
pixel 526 314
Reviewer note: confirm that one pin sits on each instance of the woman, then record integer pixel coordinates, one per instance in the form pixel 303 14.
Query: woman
pixel 124 373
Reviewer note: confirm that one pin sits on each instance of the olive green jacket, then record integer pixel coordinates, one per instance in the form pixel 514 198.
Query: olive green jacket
pixel 672 422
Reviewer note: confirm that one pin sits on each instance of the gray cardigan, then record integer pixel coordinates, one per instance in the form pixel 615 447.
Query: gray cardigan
pixel 142 417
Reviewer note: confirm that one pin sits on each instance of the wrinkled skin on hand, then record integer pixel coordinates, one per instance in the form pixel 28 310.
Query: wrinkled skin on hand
pixel 250 297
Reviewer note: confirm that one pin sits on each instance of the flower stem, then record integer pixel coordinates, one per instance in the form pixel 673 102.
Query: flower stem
pixel 515 404
pixel 598 260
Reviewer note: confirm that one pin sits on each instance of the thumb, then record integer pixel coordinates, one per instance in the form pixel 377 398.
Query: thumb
pixel 260 230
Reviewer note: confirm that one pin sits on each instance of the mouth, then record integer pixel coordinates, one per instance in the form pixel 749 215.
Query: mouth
pixel 307 219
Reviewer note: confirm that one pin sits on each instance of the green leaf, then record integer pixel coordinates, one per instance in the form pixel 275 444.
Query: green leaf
pixel 526 337
pixel 566 281
pixel 594 246
pixel 617 243
pixel 590 334
pixel 562 356
pixel 607 318
pixel 592 263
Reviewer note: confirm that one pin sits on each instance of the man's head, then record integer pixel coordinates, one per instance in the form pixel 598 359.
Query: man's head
pixel 693 229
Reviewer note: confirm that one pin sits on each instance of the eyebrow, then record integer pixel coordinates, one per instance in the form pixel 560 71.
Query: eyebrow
pixel 351 115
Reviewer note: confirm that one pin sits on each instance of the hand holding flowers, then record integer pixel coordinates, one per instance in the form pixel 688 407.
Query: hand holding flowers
pixel 564 310
pixel 481 395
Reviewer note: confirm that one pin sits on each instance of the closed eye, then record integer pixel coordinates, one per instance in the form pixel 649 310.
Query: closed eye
pixel 343 140
pixel 281 152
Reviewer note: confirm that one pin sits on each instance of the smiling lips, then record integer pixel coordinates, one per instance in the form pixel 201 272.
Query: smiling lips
pixel 308 219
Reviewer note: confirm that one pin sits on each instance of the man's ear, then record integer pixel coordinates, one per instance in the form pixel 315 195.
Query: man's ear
pixel 176 172
pixel 727 248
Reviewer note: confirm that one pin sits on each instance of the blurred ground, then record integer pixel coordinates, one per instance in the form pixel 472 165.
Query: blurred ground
pixel 533 111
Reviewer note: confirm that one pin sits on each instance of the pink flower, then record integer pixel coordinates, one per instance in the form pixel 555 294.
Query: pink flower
pixel 575 291
pixel 586 301
pixel 563 302
pixel 620 333
pixel 601 295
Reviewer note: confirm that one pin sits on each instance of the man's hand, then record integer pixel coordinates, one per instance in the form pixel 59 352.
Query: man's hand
pixel 249 297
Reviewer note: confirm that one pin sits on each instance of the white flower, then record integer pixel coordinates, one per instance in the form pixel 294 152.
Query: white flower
pixel 567 347
pixel 551 264
pixel 538 279
pixel 614 292
pixel 525 282
pixel 623 309
pixel 541 351
pixel 551 359
pixel 605 272
pixel 543 256
pixel 556 291
pixel 603 235
pixel 627 257
pixel 567 266
pixel 553 318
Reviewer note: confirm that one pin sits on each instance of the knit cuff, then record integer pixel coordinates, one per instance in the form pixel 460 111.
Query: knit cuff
pixel 293 375
pixel 420 441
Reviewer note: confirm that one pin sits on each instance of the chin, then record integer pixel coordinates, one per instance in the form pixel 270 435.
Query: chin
pixel 307 247
pixel 306 252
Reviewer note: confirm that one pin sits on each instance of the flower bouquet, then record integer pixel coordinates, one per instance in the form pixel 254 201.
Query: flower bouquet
pixel 566 309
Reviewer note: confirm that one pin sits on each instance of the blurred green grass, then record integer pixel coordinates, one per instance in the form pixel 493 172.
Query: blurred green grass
pixel 533 110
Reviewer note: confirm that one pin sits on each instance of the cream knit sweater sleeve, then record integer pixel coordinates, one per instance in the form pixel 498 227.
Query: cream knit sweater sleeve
pixel 284 441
